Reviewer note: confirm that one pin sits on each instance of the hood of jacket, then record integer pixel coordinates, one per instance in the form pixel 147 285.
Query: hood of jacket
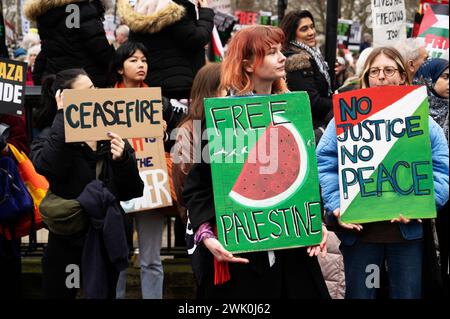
pixel 154 16
pixel 297 59
pixel 35 8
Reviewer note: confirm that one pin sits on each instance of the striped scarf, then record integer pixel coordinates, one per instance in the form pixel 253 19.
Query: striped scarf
pixel 321 63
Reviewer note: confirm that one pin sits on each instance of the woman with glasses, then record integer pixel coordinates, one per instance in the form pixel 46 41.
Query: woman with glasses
pixel 397 243
pixel 306 70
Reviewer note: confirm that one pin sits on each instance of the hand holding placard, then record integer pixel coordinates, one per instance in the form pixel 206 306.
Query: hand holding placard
pixel 117 146
pixel 216 248
pixel 337 213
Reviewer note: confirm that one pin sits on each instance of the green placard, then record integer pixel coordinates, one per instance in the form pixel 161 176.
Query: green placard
pixel 264 171
pixel 384 151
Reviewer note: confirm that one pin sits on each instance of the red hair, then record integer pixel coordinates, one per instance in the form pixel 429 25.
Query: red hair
pixel 251 44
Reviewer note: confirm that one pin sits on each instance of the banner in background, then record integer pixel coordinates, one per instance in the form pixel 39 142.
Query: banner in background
pixel 388 22
pixel 434 29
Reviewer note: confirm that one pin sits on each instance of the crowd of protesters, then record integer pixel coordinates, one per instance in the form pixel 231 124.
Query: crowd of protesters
pixel 161 43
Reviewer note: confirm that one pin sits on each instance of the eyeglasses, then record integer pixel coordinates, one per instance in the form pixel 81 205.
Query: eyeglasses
pixel 389 71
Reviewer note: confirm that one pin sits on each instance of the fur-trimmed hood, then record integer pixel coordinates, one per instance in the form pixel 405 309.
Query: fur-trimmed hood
pixel 150 23
pixel 35 8
pixel 297 59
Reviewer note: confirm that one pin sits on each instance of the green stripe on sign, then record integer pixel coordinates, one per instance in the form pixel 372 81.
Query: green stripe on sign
pixel 376 208
pixel 436 31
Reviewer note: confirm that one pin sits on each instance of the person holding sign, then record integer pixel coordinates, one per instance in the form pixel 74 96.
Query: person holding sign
pixel 306 70
pixel 254 64
pixel 130 67
pixel 69 168
pixel 399 241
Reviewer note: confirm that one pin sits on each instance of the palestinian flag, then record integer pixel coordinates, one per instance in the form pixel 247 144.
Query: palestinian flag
pixel 434 28
pixel 217 47
pixel 384 153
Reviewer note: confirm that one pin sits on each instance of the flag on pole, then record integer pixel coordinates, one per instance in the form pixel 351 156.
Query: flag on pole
pixel 217 47
pixel 434 29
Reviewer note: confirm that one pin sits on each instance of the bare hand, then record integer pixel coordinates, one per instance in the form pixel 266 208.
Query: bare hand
pixel 117 146
pixel 216 248
pixel 202 3
pixel 59 97
pixel 403 220
pixel 337 213
pixel 322 247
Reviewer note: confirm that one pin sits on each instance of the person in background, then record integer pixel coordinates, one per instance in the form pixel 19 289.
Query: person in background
pixel 398 243
pixel 32 53
pixel 175 34
pixel 434 74
pixel 10 256
pixel 122 32
pixel 414 52
pixel 65 44
pixel 306 70
pixel 366 43
pixel 354 82
pixel 342 69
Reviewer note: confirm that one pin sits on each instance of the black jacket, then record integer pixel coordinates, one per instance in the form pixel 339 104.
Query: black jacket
pixel 294 274
pixel 70 167
pixel 63 47
pixel 175 41
pixel 105 249
pixel 302 74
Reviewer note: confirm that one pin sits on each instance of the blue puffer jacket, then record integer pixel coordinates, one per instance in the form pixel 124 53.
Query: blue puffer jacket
pixel 327 160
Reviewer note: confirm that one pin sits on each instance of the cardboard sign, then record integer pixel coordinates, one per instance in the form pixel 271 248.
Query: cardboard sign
pixel 90 114
pixel 434 29
pixel 388 21
pixel 12 86
pixel 151 161
pixel 264 171
pixel 384 152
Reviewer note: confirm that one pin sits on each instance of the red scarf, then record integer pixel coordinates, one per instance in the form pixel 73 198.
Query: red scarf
pixel 221 270
pixel 121 85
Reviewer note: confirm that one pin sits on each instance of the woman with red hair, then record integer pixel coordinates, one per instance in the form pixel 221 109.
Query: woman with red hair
pixel 254 64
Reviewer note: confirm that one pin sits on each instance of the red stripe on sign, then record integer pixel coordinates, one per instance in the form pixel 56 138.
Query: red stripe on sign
pixel 352 107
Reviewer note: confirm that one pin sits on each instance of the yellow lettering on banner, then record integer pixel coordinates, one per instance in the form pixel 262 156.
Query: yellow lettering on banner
pixel 19 74
pixel 10 72
pixel 3 70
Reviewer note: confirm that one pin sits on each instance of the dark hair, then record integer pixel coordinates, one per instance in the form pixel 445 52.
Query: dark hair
pixel 43 115
pixel 206 84
pixel 126 50
pixel 290 22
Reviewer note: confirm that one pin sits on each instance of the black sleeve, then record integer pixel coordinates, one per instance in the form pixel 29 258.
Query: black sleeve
pixel 126 175
pixel 39 68
pixel 50 154
pixel 303 80
pixel 193 35
pixel 198 195
pixel 93 35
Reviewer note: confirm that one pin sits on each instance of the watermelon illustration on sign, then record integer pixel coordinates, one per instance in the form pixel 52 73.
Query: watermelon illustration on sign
pixel 256 188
